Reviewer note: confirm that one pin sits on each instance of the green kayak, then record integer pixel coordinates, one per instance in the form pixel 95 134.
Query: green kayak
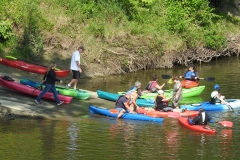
pixel 78 94
pixel 187 92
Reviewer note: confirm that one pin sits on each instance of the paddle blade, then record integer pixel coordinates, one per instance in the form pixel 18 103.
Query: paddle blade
pixel 170 81
pixel 173 114
pixel 210 79
pixel 166 76
pixel 226 123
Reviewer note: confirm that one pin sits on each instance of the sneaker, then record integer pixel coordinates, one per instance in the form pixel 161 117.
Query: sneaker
pixel 61 102
pixel 37 102
pixel 68 86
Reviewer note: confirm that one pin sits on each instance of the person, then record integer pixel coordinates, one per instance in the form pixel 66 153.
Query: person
pixel 191 73
pixel 122 104
pixel 133 98
pixel 201 119
pixel 161 102
pixel 177 92
pixel 49 82
pixel 136 86
pixel 75 67
pixel 153 85
pixel 216 96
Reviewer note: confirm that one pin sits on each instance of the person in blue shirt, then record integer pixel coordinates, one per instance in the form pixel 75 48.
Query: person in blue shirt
pixel 191 73
pixel 123 104
pixel 201 119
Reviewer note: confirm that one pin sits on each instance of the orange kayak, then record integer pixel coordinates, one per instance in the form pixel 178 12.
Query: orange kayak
pixel 34 68
pixel 189 83
pixel 142 110
pixel 200 128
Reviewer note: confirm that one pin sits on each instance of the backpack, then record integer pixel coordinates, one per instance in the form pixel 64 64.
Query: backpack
pixel 148 87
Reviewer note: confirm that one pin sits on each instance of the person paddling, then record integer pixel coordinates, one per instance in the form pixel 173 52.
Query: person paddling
pixel 201 119
pixel 191 73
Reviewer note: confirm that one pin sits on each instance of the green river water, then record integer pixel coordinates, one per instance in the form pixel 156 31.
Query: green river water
pixel 93 137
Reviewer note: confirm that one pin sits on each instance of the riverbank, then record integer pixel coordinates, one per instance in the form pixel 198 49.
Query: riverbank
pixel 14 104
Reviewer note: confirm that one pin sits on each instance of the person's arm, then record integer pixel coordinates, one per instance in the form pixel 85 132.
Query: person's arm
pixel 209 118
pixel 52 74
pixel 134 100
pixel 78 64
pixel 126 105
pixel 160 87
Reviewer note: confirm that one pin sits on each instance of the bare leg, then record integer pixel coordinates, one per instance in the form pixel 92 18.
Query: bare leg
pixel 72 81
pixel 75 83
pixel 120 114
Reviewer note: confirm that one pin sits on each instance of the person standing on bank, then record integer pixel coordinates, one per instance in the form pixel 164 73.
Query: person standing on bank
pixel 49 82
pixel 75 67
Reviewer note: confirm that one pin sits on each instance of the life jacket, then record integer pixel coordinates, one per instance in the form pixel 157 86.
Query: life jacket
pixel 190 75
pixel 215 100
pixel 203 119
pixel 160 104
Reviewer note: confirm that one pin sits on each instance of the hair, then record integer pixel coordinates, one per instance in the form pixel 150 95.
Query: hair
pixel 175 78
pixel 51 66
pixel 154 77
pixel 137 83
pixel 139 91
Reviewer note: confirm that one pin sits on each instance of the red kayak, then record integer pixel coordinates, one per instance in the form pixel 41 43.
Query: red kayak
pixel 10 84
pixel 19 64
pixel 142 110
pixel 200 128
pixel 189 83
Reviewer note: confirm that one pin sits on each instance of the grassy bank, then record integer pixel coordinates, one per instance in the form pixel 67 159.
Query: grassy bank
pixel 120 35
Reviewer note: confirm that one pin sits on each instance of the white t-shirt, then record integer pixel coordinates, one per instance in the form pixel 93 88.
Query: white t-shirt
pixel 75 57
pixel 214 94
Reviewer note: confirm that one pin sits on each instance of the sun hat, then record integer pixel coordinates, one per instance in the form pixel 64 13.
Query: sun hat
pixel 160 92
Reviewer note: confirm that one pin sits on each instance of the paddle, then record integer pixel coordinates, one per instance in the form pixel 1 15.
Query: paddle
pixel 210 79
pixel 14 58
pixel 226 123
pixel 232 108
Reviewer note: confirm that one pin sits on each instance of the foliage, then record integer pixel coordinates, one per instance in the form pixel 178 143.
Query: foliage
pixel 6 29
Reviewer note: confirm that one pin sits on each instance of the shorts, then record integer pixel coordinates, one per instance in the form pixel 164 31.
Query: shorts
pixel 120 109
pixel 76 74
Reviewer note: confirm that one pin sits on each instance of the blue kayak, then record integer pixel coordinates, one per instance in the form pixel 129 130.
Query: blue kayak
pixel 234 103
pixel 114 113
pixel 113 97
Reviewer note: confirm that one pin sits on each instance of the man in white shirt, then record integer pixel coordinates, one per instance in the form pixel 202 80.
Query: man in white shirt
pixel 75 67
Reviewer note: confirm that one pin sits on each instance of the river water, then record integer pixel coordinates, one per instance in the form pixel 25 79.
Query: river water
pixel 92 136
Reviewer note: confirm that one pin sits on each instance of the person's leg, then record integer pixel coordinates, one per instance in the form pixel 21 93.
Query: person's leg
pixel 55 94
pixel 76 77
pixel 121 112
pixel 46 89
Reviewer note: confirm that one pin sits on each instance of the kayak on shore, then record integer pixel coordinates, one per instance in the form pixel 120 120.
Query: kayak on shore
pixel 78 94
pixel 114 113
pixel 9 83
pixel 200 128
pixel 34 68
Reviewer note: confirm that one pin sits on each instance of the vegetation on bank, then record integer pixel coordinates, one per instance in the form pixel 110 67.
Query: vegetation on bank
pixel 119 34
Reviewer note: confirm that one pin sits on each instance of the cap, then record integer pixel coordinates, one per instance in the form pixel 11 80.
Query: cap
pixel 128 93
pixel 137 84
pixel 160 92
pixel 190 65
pixel 201 110
pixel 81 47
pixel 216 87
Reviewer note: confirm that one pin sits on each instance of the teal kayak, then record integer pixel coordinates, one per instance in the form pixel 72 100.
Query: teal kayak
pixel 187 92
pixel 78 94
pixel 114 96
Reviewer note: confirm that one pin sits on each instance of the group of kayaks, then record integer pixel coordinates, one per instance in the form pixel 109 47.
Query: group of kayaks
pixel 146 100
pixel 33 88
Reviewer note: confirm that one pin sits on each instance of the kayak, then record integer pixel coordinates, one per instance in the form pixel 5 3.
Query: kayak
pixel 11 84
pixel 142 110
pixel 234 103
pixel 114 113
pixel 200 128
pixel 34 68
pixel 189 83
pixel 187 92
pixel 78 94
pixel 114 96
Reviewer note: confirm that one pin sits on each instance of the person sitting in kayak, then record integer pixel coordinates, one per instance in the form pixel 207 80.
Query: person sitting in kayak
pixel 191 73
pixel 201 119
pixel 216 96
pixel 136 86
pixel 122 104
pixel 153 85
pixel 161 102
